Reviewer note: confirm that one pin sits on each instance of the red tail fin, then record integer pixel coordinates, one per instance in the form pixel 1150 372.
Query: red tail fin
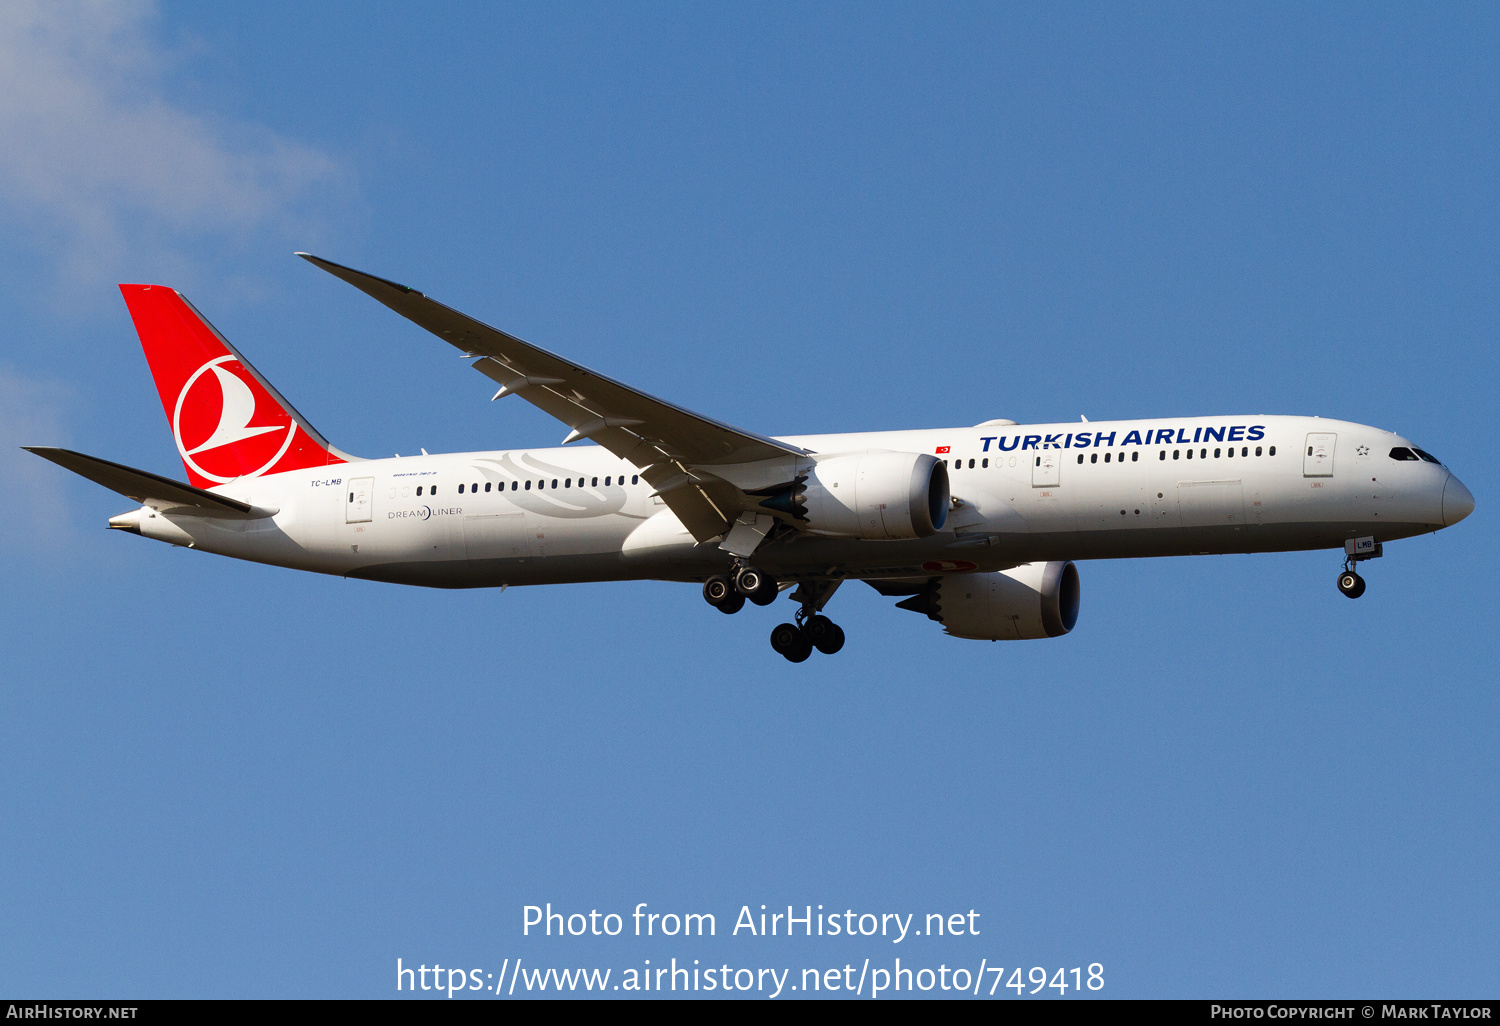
pixel 227 420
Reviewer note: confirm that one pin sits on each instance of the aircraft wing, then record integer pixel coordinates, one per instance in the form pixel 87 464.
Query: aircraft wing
pixel 160 493
pixel 674 448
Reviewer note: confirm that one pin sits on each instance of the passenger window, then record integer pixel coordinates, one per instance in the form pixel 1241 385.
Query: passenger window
pixel 568 483
pixel 1269 452
pixel 460 489
pixel 1080 457
pixel 1190 454
pixel 514 485
pixel 1106 457
pixel 1216 454
pixel 1163 455
pixel 473 488
pixel 486 487
pixel 1245 450
pixel 1257 450
pixel 1178 452
pixel 595 484
pixel 1229 452
pixel 1039 461
pixel 635 479
pixel 554 482
pixel 1203 454
pixel 606 482
pixel 528 486
pixel 971 464
pixel 1093 458
pixel 985 464
pixel 419 491
pixel 1135 457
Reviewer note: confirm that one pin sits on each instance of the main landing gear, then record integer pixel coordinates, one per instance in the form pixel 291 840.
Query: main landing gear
pixel 812 630
pixel 728 594
pixel 1356 550
pixel 796 641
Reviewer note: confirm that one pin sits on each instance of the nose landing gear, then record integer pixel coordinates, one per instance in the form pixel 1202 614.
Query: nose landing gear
pixel 1356 550
pixel 1351 584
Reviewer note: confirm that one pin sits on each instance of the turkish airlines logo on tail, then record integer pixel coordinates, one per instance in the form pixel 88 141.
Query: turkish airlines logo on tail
pixel 214 432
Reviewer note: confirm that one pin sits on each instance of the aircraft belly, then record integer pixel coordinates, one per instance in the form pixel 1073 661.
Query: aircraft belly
pixel 500 572
pixel 1191 541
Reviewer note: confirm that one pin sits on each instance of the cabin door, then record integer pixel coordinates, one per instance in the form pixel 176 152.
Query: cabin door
pixel 1317 455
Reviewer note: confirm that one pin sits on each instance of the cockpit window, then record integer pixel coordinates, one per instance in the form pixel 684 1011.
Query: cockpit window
pixel 1401 452
pixel 1429 457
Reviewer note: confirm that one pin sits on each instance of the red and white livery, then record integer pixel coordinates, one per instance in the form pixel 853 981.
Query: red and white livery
pixel 976 527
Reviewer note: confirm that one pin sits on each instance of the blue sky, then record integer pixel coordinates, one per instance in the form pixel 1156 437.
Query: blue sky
pixel 219 779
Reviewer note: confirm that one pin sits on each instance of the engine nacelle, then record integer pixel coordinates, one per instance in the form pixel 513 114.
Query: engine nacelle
pixel 1034 600
pixel 882 496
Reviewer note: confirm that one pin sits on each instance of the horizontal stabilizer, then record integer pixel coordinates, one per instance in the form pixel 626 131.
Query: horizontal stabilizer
pixel 160 493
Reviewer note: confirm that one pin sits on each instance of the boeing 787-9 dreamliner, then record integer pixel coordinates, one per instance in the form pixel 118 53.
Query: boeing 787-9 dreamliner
pixel 975 527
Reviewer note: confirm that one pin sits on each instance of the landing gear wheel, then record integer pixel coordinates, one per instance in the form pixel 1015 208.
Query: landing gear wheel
pixel 826 636
pixel 756 585
pixel 1351 584
pixel 791 641
pixel 716 589
pixel 733 604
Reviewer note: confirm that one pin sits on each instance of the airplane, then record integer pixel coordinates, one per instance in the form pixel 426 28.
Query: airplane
pixel 975 527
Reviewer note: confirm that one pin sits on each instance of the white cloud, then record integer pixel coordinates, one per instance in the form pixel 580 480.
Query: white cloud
pixel 90 149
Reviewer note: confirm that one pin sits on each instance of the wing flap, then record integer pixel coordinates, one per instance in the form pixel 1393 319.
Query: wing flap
pixel 160 493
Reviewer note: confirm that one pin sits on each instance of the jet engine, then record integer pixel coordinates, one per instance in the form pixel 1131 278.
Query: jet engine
pixel 881 496
pixel 1034 600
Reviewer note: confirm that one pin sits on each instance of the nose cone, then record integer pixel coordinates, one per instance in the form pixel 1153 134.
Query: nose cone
pixel 1458 501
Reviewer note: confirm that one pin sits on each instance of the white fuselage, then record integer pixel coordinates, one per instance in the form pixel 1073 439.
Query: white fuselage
pixel 1022 493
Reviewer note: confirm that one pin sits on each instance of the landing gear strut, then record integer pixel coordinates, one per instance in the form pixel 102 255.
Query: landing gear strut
pixel 1356 550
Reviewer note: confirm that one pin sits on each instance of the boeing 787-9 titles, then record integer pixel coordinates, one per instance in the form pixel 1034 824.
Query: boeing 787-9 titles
pixel 975 527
